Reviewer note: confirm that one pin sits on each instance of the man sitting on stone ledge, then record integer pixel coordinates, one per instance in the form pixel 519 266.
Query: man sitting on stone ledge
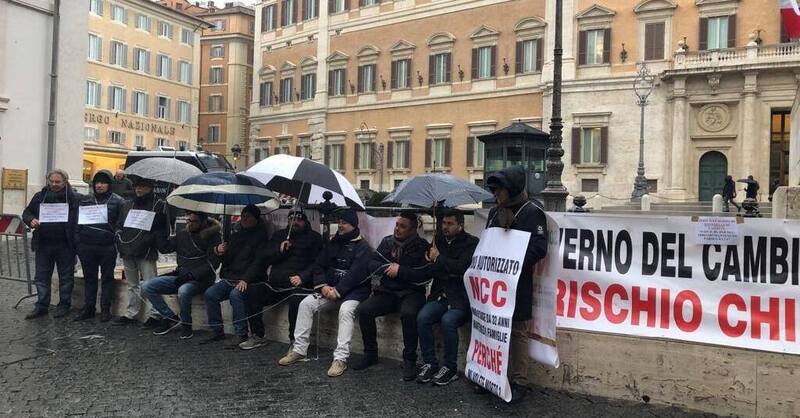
pixel 194 274
pixel 340 275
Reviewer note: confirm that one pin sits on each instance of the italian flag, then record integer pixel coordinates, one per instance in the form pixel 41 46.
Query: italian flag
pixel 790 12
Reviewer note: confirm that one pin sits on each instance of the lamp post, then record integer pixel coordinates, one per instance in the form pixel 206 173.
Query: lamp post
pixel 642 86
pixel 236 150
pixel 377 152
pixel 555 194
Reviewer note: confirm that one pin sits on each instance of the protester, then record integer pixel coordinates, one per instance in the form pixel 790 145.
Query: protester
pixel 729 193
pixel 399 263
pixel 340 274
pixel 95 245
pixel 290 252
pixel 138 246
pixel 751 191
pixel 241 269
pixel 122 185
pixel 194 274
pixel 515 211
pixel 53 241
pixel 448 303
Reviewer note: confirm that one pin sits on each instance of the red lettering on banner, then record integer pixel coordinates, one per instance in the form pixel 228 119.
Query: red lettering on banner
pixel 560 293
pixel 499 287
pixel 697 311
pixel 771 317
pixel 648 305
pixel 722 315
pixel 573 299
pixel 665 308
pixel 790 320
pixel 488 357
pixel 614 290
pixel 587 294
pixel 484 291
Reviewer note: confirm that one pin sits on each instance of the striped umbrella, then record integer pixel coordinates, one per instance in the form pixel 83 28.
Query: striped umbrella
pixel 305 180
pixel 221 194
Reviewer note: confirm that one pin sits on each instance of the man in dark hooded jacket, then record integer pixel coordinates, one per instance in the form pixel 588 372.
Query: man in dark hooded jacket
pixel 95 242
pixel 515 211
pixel 399 262
pixel 53 241
pixel 196 271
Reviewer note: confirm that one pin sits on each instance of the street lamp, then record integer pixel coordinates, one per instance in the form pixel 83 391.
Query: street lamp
pixel 377 152
pixel 642 86
pixel 236 150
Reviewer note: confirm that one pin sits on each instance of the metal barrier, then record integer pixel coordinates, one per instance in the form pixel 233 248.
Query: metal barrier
pixel 15 262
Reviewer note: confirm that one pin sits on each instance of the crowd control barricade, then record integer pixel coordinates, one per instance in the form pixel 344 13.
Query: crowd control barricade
pixel 15 261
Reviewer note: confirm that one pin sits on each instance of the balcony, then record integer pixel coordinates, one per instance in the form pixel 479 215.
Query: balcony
pixel 736 59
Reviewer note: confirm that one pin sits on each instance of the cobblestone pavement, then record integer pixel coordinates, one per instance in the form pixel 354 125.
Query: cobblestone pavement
pixel 55 368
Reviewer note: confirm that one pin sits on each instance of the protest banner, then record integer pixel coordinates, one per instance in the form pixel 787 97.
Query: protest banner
pixel 542 326
pixel 93 214
pixel 140 219
pixel 53 212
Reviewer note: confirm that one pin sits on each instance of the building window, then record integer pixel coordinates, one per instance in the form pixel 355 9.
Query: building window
pixel 399 154
pixel 366 78
pixel 401 74
pixel 219 25
pixel 440 68
pixel 215 75
pixel 364 184
pixel 529 59
pixel 336 82
pixel 717 32
pixel 286 90
pixel 162 142
pixel 265 94
pixel 95 48
pixel 215 103
pixel 268 18
pixel 213 134
pixel 96 7
pixel 218 51
pixel 184 72
pixel 93 92
pixel 119 14
pixel 590 145
pixel 437 153
pixel 141 60
pixel 138 140
pixel 590 185
pixel 187 37
pixel 483 62
pixel 334 156
pixel 308 85
pixel 595 47
pixel 164 67
pixel 139 103
pixel 184 112
pixel 119 54
pixel 165 30
pixel 310 9
pixel 363 155
pixel 654 41
pixel 91 134
pixel 162 108
pixel 337 6
pixel 116 137
pixel 116 99
pixel 474 152
pixel 652 186
pixel 304 150
pixel 397 182
pixel 144 23
pixel 288 12
pixel 367 3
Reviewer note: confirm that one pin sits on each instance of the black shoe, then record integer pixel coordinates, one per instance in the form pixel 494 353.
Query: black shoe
pixel 123 320
pixel 214 338
pixel 426 373
pixel 366 361
pixel 151 323
pixel 445 376
pixel 36 313
pixel 186 332
pixel 167 325
pixel 105 315
pixel 84 315
pixel 409 370
pixel 61 311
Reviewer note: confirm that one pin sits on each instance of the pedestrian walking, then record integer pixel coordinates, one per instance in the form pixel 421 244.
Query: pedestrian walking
pixel 729 193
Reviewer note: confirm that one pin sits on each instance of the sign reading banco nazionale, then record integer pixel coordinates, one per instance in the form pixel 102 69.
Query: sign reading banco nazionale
pixel 126 123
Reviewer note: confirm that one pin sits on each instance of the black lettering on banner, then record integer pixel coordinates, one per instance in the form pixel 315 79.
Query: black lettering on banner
pixel 795 257
pixel 779 250
pixel 731 264
pixel 623 237
pixel 570 235
pixel 586 247
pixel 603 251
pixel 684 271
pixel 667 254
pixel 649 244
pixel 755 259
pixel 710 272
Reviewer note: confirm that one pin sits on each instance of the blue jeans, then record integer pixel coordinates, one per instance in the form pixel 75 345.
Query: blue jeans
pixel 168 285
pixel 216 294
pixel 451 319
pixel 48 257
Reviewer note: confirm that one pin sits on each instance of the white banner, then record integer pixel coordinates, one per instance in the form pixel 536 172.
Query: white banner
pixel 647 276
pixel 93 214
pixel 140 219
pixel 491 283
pixel 542 327
pixel 53 212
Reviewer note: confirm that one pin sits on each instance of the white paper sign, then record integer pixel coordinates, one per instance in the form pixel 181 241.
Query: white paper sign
pixel 711 230
pixel 491 283
pixel 93 214
pixel 53 212
pixel 140 219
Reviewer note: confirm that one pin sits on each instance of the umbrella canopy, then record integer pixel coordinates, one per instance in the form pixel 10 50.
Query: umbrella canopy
pixel 305 180
pixel 167 170
pixel 747 181
pixel 427 190
pixel 221 194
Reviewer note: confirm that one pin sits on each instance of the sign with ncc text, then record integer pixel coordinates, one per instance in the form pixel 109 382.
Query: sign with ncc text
pixel 491 283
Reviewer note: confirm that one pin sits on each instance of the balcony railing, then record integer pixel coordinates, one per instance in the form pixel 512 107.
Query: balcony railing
pixel 749 55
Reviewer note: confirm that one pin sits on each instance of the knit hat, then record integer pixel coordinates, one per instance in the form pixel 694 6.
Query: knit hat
pixel 103 176
pixel 349 216
pixel 253 210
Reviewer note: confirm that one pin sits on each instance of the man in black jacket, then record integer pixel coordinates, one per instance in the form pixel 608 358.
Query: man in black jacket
pixel 448 303
pixel 515 211
pixel 289 253
pixel 196 271
pixel 399 262
pixel 52 214
pixel 122 185
pixel 340 276
pixel 95 243
pixel 138 244
pixel 242 270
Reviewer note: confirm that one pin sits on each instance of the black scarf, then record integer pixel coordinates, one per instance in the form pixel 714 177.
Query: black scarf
pixel 506 212
pixel 345 238
pixel 399 246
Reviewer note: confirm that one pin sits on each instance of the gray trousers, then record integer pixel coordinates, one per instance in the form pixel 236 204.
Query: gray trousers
pixel 137 272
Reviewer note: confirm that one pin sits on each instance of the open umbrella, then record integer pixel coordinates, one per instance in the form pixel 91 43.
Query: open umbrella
pixel 221 194
pixel 167 170
pixel 305 180
pixel 747 181
pixel 429 190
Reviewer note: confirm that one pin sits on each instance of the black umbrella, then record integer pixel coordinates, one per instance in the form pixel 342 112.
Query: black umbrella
pixel 431 190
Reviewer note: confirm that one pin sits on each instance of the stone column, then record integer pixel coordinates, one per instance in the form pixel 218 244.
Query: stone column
pixel 317 124
pixel 679 137
pixel 748 140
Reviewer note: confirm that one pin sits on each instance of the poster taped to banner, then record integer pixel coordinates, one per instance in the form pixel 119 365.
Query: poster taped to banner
pixel 645 276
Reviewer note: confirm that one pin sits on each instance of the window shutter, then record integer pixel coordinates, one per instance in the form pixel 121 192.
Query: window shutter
pixel 539 54
pixel 658 41
pixel 147 62
pixel 471 147
pixel 732 31
pixel 407 156
pixel 374 77
pixel 447 67
pixel 347 4
pixel 263 19
pixel 283 12
pixel 604 145
pixel 296 8
pixel 360 79
pixel 316 9
pixel 110 97
pixel 125 16
pixel 607 46
pixel 582 45
pixel 474 63
pixel 327 155
pixel 356 156
pixel 431 68
pixel 372 156
pixel 274 15
pixel 124 100
pixel 297 149
pixel 389 154
pixel 576 146
pixel 649 32
pixel 330 82
pixel 428 148
pixel 99 90
pixel 146 104
pixel 408 74
pixel 394 75
pixel 518 58
pixel 341 157
pixel 125 55
pixel 331 6
pixel 493 58
pixel 703 45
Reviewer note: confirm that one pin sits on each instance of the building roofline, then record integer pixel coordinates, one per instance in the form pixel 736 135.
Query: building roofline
pixel 228 11
pixel 180 15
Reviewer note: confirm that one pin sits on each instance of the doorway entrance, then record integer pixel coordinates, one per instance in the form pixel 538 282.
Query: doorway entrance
pixel 713 169
pixel 779 149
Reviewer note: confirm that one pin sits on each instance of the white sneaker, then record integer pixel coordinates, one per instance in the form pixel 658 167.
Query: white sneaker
pixel 253 342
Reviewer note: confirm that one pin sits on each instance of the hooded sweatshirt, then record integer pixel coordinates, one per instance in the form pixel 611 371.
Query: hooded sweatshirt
pixel 100 235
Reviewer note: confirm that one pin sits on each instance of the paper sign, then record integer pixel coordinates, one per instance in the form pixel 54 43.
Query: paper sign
pixel 53 212
pixel 93 214
pixel 140 219
pixel 716 231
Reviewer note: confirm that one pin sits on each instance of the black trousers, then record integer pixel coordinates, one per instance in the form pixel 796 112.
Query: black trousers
pixel 384 303
pixel 103 259
pixel 259 295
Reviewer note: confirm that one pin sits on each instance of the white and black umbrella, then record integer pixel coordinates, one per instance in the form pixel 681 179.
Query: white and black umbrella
pixel 221 194
pixel 430 190
pixel 167 170
pixel 305 180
